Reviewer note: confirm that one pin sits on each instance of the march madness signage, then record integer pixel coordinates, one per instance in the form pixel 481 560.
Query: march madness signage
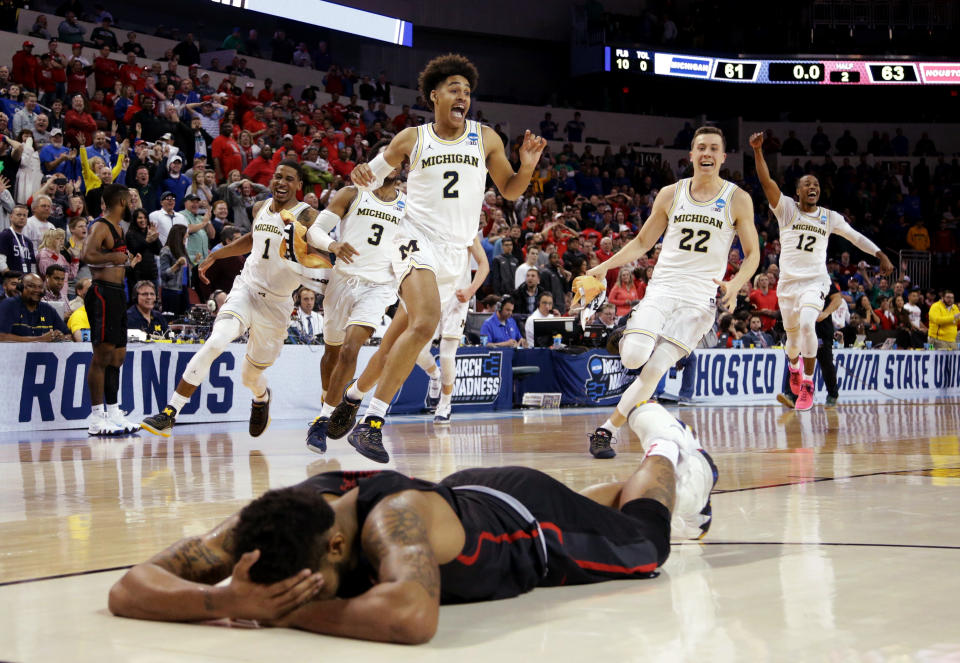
pixel 479 378
pixel 591 378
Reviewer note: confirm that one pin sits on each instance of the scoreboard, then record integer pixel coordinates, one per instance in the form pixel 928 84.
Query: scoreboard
pixel 867 71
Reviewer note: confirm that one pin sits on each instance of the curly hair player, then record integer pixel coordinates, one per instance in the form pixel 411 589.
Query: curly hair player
pixel 449 162
pixel 373 555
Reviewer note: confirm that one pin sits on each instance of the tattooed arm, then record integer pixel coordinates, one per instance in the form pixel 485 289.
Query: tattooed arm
pixel 176 585
pixel 404 606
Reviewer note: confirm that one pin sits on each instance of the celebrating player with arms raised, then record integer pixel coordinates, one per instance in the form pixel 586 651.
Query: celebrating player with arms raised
pixel 449 162
pixel 260 300
pixel 805 229
pixel 697 218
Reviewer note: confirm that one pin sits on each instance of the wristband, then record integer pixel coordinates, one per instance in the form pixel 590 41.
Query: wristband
pixel 380 169
pixel 317 238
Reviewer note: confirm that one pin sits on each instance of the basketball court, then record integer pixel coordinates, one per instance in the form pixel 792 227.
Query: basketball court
pixel 836 536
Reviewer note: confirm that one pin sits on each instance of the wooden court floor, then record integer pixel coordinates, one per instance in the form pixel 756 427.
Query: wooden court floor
pixel 836 537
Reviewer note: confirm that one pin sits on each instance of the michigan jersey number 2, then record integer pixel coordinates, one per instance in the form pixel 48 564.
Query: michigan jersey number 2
pixel 453 177
pixel 811 240
pixel 703 236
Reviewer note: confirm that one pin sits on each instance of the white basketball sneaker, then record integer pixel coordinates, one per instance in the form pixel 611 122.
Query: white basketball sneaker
pixel 120 421
pixel 696 472
pixel 102 425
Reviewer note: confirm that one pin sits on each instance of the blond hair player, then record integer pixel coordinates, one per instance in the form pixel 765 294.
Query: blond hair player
pixel 697 218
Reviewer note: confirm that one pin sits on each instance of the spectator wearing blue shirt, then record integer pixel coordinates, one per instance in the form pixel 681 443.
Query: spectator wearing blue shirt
pixel 143 315
pixel 501 329
pixel 176 181
pixel 27 319
pixel 55 157
pixel 103 148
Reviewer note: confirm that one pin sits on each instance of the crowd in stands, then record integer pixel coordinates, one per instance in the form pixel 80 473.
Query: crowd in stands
pixel 197 158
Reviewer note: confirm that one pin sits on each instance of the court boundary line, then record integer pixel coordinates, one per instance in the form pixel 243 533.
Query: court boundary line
pixel 820 479
pixel 65 575
pixel 814 543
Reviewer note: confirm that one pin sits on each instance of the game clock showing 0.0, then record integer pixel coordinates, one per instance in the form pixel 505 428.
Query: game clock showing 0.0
pixel 795 72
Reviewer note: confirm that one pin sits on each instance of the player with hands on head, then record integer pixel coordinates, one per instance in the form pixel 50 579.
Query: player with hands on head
pixel 805 229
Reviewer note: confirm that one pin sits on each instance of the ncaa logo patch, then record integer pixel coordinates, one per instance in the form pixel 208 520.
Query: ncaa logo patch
pixel 400 205
pixel 720 204
pixel 473 137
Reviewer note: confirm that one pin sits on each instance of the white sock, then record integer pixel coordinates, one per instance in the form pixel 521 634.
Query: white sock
pixel 444 403
pixel 377 408
pixel 355 394
pixel 264 397
pixel 97 409
pixel 177 401
pixel 666 448
pixel 113 408
pixel 807 377
pixel 326 410
pixel 609 427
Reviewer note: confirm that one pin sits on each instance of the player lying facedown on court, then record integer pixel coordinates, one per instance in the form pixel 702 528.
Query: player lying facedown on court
pixel 359 291
pixel 805 229
pixel 260 301
pixel 449 162
pixel 372 555
pixel 697 218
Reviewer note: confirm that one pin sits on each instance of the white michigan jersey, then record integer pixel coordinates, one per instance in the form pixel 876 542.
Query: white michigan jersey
pixel 696 244
pixel 266 268
pixel 369 226
pixel 803 240
pixel 446 183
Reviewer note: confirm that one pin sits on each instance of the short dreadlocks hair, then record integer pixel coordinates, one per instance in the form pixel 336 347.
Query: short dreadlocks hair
pixel 443 67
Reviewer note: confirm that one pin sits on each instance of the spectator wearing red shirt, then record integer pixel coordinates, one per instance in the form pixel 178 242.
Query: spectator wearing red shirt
pixel 627 292
pixel 604 253
pixel 79 120
pixel 888 319
pixel 77 79
pixel 301 139
pixel 46 80
pixel 253 121
pixel 105 71
pixel 267 95
pixel 25 67
pixel 400 121
pixel 733 266
pixel 343 165
pixel 354 130
pixel 227 155
pixel 247 101
pixel 260 169
pixel 131 73
pixel 764 302
pixel 334 109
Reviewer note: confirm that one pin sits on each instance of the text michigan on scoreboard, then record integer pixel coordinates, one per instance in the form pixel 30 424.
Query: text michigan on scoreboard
pixel 780 71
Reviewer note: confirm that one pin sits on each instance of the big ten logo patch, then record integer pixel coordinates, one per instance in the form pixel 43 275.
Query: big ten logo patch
pixel 478 378
pixel 607 378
